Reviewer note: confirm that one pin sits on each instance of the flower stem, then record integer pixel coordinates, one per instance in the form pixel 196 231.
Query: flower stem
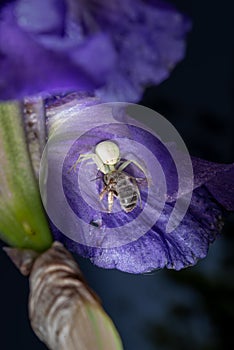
pixel 23 223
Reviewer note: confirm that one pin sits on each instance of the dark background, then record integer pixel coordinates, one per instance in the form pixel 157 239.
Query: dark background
pixel 167 310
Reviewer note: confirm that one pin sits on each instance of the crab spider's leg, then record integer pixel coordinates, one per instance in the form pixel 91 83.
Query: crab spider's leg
pixel 81 158
pixel 127 162
pixel 102 167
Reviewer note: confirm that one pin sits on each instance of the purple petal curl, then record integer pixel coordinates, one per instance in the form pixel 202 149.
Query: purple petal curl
pixel 109 47
pixel 27 67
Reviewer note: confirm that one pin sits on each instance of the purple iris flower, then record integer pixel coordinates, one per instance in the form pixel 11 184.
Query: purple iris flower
pixel 113 48
pixel 136 241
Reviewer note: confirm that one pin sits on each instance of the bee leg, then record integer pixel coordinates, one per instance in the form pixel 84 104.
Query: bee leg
pixel 110 201
pixel 110 197
pixel 102 194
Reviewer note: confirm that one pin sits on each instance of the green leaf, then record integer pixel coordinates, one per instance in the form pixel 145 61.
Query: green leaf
pixel 23 223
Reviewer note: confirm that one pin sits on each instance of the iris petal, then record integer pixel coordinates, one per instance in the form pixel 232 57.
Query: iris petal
pixel 27 68
pixel 111 48
pixel 112 240
pixel 158 249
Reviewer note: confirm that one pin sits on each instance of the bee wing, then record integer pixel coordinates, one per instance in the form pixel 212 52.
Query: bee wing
pixel 140 180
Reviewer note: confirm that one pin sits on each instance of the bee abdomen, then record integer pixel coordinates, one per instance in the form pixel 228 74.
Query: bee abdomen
pixel 125 188
pixel 128 197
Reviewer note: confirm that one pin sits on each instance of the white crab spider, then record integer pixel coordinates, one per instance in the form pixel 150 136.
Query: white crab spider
pixel 117 183
pixel 106 156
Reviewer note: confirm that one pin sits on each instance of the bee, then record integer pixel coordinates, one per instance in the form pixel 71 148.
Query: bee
pixel 123 186
pixel 117 182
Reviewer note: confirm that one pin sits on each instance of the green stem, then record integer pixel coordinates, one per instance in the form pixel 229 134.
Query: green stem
pixel 23 223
